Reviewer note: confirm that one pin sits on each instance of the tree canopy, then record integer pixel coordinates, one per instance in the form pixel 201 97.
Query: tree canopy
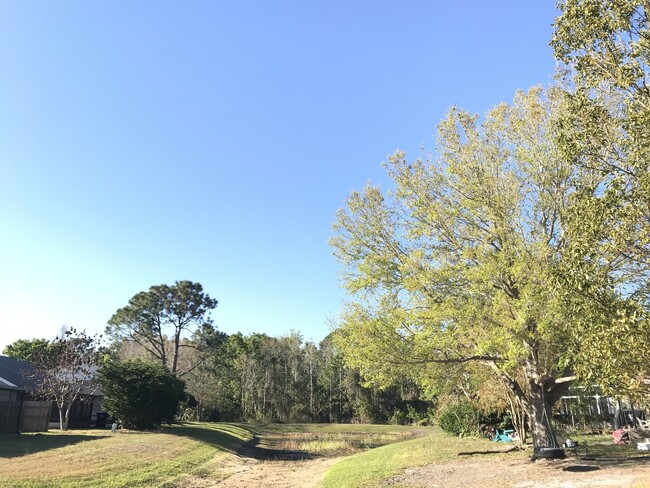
pixel 463 261
pixel 64 368
pixel 27 349
pixel 150 316
pixel 605 48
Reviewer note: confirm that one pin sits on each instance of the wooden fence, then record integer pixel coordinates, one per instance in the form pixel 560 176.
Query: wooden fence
pixel 35 416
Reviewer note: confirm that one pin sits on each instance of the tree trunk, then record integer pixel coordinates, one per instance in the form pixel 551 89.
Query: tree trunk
pixel 311 391
pixel 63 425
pixel 539 411
pixel 330 406
pixel 537 399
pixel 518 413
pixel 177 345
pixel 64 415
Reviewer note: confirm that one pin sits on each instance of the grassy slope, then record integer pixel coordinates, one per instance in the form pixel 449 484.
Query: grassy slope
pixel 171 456
pixel 175 455
pixel 370 467
pixel 124 459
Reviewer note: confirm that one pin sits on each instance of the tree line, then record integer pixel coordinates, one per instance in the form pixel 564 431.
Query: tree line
pixel 165 359
pixel 262 378
pixel 282 379
pixel 252 377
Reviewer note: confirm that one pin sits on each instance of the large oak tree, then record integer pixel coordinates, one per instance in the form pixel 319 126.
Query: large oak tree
pixel 464 260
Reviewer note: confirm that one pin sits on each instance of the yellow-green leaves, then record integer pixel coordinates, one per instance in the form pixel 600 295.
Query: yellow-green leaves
pixel 605 133
pixel 456 261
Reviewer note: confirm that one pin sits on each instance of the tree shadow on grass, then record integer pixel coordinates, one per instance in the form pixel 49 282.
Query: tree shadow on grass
pixel 223 440
pixel 217 437
pixel 620 461
pixel 252 449
pixel 17 445
pixel 610 455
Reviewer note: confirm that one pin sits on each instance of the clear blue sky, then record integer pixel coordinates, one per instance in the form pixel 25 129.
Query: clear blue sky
pixel 152 141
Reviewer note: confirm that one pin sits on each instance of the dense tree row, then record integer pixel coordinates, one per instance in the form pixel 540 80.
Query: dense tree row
pixel 282 379
pixel 236 378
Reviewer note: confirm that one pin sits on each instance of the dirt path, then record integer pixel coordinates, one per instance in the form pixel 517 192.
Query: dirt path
pixel 281 474
pixel 268 464
pixel 483 473
pixel 257 466
pixel 245 472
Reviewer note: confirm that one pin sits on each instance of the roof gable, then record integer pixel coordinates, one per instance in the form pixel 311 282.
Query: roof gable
pixel 12 374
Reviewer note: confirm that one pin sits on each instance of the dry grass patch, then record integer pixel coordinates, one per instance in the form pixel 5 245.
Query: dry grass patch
pixel 329 439
pixel 334 443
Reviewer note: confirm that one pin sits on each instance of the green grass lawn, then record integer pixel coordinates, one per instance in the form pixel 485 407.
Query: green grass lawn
pixel 200 454
pixel 122 459
pixel 370 468
pixel 172 456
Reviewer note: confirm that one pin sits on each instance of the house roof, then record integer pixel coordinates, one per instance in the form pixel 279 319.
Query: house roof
pixel 13 374
pixel 21 375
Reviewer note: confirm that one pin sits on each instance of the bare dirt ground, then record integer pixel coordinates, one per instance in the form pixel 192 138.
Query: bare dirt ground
pixel 281 474
pixel 466 473
pixel 522 473
pixel 270 466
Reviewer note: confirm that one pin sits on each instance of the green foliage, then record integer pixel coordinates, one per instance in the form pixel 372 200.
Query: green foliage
pixel 139 394
pixel 462 418
pixel 282 379
pixel 457 263
pixel 605 48
pixel 398 418
pixel 27 350
pixel 63 368
pixel 411 416
pixel 162 310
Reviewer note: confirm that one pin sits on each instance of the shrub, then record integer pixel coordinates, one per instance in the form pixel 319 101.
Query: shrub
pixel 140 395
pixel 398 418
pixel 462 418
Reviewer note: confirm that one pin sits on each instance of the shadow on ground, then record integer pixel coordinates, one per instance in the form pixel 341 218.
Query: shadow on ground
pixel 618 461
pixel 219 438
pixel 609 455
pixel 229 442
pixel 579 468
pixel 17 445
pixel 252 449
pixel 595 461
pixel 481 453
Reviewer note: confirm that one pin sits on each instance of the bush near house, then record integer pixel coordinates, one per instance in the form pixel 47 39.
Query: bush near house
pixel 139 394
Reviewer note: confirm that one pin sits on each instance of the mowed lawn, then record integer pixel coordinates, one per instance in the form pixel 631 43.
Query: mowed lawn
pixel 371 468
pixel 123 459
pixel 203 454
pixel 174 456
pixel 376 467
